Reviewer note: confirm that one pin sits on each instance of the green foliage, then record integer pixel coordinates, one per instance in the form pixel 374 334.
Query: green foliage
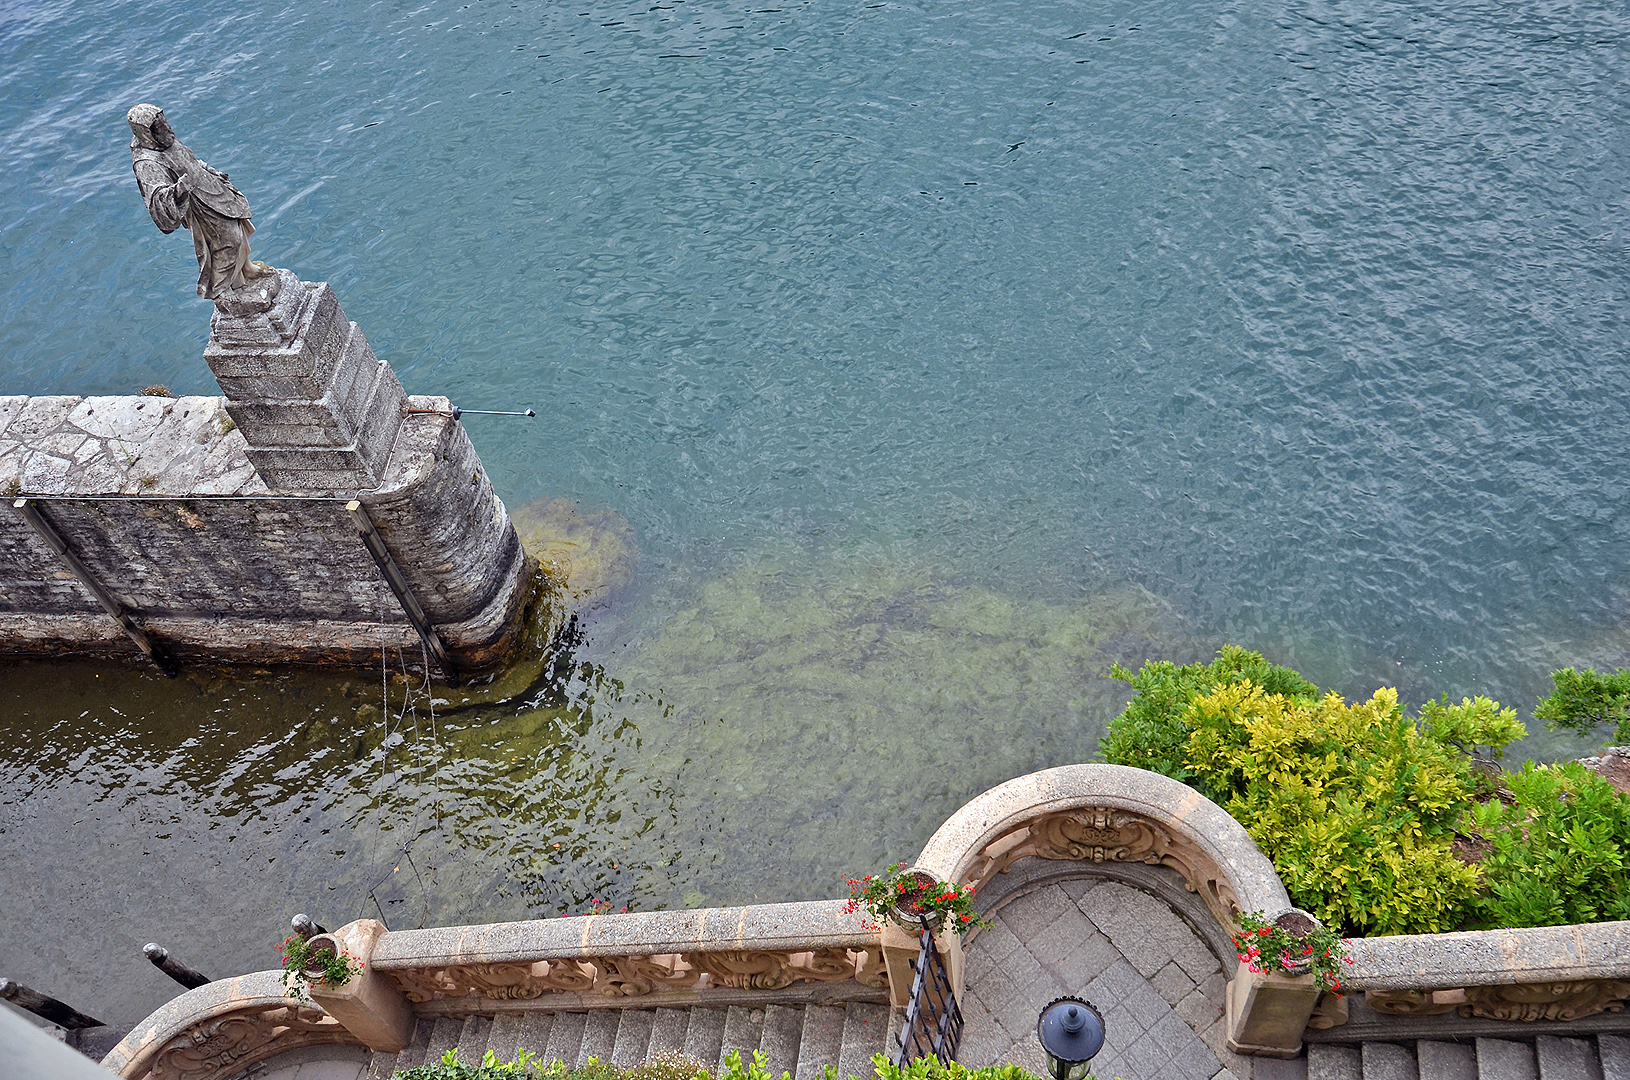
pixel 1355 805
pixel 338 968
pixel 678 1067
pixel 1560 853
pixel 1150 732
pixel 1584 699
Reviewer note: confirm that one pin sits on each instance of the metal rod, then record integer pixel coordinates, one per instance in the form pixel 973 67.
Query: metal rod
pixel 458 412
pixel 191 978
pixel 110 603
pixel 306 926
pixel 46 1007
pixel 399 585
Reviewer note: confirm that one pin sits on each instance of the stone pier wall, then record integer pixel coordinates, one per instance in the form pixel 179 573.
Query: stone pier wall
pixel 220 523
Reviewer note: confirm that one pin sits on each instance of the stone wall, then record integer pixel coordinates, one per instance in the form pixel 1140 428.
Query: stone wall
pixel 221 523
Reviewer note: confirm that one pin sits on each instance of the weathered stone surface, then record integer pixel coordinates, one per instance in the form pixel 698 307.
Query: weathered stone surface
pixel 1541 954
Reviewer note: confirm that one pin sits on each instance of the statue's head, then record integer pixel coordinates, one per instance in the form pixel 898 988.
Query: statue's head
pixel 147 123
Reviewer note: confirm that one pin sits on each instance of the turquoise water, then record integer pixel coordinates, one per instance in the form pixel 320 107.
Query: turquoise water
pixel 923 359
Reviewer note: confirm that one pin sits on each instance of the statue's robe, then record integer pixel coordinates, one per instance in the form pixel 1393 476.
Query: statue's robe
pixel 215 212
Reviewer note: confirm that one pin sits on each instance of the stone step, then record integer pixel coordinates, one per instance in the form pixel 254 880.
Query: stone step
pixel 472 1040
pixel 565 1037
pixel 533 1035
pixel 820 1040
pixel 704 1035
pixel 1502 1059
pixel 1446 1060
pixel 443 1037
pixel 1614 1053
pixel 633 1044
pixel 1388 1061
pixel 783 1030
pixel 1566 1059
pixel 743 1028
pixel 864 1031
pixel 668 1031
pixel 1332 1061
pixel 599 1035
pixel 504 1036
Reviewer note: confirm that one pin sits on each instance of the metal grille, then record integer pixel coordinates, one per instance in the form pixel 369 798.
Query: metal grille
pixel 933 1021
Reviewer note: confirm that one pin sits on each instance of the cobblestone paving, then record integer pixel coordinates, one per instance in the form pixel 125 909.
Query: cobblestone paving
pixel 1157 984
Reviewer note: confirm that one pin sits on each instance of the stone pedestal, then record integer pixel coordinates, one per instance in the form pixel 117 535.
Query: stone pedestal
pixel 900 950
pixel 319 411
pixel 370 1006
pixel 1268 1011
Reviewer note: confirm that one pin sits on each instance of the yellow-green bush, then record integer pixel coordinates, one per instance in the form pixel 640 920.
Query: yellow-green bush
pixel 1355 805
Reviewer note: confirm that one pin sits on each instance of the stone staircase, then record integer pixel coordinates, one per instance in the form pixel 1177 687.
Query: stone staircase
pixel 799 1039
pixel 1605 1057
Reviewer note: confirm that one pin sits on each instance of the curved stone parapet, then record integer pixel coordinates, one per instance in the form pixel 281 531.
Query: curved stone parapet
pixel 222 1027
pixel 1108 813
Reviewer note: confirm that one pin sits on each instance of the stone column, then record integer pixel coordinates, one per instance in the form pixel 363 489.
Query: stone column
pixel 322 415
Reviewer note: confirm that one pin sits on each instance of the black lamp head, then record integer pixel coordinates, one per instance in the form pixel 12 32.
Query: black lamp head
pixel 1071 1032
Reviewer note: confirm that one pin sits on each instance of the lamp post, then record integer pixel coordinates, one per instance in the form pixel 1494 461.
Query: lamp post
pixel 1071 1031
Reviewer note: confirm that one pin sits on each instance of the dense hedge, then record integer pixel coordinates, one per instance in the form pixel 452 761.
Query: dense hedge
pixel 676 1066
pixel 1380 822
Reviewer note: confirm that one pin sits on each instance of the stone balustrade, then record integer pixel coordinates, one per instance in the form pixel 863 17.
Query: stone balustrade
pixel 1121 820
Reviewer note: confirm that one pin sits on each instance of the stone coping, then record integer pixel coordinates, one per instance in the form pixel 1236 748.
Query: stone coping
pixel 261 990
pixel 796 927
pixel 1176 807
pixel 1538 954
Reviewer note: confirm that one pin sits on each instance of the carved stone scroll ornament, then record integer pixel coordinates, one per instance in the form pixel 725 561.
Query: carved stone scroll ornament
pixel 1106 834
pixel 774 970
pixel 631 976
pixel 1517 1001
pixel 500 982
pixel 241 1038
pixel 1546 1001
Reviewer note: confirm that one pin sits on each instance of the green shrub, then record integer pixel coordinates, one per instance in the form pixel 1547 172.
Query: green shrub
pixel 1560 853
pixel 676 1066
pixel 1150 732
pixel 1355 805
pixel 1584 699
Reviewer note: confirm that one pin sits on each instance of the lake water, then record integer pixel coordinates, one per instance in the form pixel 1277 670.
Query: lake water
pixel 901 367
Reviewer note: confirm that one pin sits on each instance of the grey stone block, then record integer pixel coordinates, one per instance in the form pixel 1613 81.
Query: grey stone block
pixel 743 1028
pixel 1090 958
pixel 1501 1059
pixel 633 1043
pixel 819 1040
pixel 668 1031
pixel 864 1031
pixel 779 1041
pixel 506 1037
pixel 1198 1010
pixel 413 1056
pixel 1329 1061
pixel 566 1038
pixel 599 1035
pixel 1445 1060
pixel 1614 1052
pixel 1029 915
pixel 1566 1059
pixel 1191 1057
pixel 1280 1068
pixel 443 1037
pixel 1172 983
pixel 705 1035
pixel 997 943
pixel 472 1040
pixel 1388 1061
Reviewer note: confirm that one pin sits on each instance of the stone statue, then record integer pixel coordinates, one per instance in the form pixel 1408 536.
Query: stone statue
pixel 181 190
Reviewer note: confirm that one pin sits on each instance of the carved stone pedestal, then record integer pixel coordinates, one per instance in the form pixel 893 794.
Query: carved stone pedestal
pixel 900 950
pixel 1268 1011
pixel 370 1006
